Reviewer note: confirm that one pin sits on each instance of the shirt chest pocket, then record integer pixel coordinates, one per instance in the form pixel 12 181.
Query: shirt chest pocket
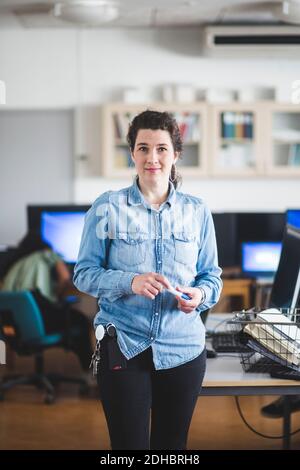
pixel 186 248
pixel 131 248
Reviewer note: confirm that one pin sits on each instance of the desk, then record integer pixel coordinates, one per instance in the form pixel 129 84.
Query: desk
pixel 238 287
pixel 85 303
pixel 226 377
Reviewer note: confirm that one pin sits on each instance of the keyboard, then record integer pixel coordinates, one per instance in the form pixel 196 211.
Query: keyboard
pixel 228 342
pixel 285 373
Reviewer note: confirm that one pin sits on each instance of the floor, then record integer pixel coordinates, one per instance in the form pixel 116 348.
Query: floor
pixel 75 422
pixel 78 423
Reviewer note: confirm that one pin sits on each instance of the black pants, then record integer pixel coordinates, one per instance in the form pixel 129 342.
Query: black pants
pixel 129 394
pixel 74 326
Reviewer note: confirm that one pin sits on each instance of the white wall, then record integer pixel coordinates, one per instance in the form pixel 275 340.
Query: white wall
pixel 56 68
pixel 221 195
pixel 36 151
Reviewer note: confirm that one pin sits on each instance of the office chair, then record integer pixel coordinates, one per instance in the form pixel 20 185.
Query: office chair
pixel 22 328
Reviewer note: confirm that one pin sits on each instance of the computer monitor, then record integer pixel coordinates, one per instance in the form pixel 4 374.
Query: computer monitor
pixel 260 259
pixel 259 227
pixel 225 228
pixel 286 286
pixel 60 226
pixel 293 217
pixel 234 228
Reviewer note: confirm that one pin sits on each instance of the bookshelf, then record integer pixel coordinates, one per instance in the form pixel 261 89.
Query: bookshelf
pixel 192 121
pixel 283 140
pixel 236 144
pixel 234 140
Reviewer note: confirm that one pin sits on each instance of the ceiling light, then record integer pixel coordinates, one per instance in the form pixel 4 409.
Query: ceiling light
pixel 87 12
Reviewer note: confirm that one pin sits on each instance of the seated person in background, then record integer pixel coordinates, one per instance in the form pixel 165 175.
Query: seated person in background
pixel 34 266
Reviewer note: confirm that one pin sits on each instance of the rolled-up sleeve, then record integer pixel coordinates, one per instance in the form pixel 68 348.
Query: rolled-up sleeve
pixel 90 273
pixel 208 272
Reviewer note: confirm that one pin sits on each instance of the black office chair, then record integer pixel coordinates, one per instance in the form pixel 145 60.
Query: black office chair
pixel 21 326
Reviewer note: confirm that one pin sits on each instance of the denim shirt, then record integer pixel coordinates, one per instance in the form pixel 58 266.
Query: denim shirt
pixel 122 237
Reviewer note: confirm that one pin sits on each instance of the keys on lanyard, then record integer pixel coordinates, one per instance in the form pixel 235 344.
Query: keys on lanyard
pixel 111 331
pixel 95 361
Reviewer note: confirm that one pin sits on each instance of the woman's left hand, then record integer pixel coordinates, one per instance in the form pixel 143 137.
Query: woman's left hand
pixel 188 306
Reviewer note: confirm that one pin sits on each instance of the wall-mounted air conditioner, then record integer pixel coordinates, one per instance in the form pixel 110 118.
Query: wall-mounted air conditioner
pixel 257 41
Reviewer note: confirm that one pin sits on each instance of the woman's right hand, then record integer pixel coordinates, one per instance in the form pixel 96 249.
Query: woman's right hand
pixel 149 284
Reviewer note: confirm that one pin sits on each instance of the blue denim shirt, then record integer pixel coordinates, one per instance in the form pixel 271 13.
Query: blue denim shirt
pixel 123 236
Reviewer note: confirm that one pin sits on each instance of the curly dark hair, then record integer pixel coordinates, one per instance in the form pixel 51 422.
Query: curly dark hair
pixel 154 120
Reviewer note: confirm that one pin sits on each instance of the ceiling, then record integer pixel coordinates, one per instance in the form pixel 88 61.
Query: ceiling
pixel 146 13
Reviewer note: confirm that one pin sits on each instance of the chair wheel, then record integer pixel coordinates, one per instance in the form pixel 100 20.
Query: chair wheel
pixel 49 399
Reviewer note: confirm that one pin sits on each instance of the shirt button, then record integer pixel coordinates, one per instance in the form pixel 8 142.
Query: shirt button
pixel 159 261
pixel 152 338
pixel 156 313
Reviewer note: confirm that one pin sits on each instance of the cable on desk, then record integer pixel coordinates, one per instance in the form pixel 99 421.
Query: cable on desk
pixel 257 432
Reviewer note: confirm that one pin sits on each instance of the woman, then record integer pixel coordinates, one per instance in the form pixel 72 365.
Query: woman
pixel 36 267
pixel 136 243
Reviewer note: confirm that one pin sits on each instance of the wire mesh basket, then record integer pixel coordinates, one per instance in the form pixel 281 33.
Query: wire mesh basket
pixel 271 337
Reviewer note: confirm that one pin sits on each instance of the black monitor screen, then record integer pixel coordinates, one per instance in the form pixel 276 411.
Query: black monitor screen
pixel 225 228
pixel 285 281
pixel 233 229
pixel 259 227
pixel 60 226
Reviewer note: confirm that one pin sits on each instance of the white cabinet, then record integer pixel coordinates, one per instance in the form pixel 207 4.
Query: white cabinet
pixel 282 140
pixel 235 140
pixel 192 121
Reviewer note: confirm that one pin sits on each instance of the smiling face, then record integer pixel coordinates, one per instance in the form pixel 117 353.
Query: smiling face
pixel 153 156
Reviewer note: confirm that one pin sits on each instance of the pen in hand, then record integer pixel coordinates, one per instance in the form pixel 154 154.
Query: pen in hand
pixel 177 293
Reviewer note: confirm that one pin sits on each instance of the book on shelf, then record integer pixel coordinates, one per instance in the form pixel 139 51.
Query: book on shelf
pixel 294 155
pixel 121 125
pixel 248 125
pixel 236 125
pixel 122 158
pixel 236 156
pixel 188 124
pixel 277 334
